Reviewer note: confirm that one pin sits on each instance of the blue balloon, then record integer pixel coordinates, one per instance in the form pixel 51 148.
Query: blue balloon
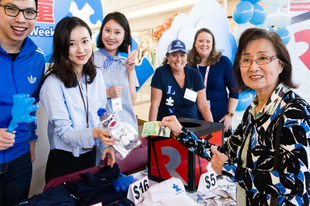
pixel 253 1
pixel 243 12
pixel 285 35
pixel 271 29
pixel 259 15
pixel 245 99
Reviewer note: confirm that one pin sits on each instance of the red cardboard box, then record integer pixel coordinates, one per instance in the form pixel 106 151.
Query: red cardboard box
pixel 169 158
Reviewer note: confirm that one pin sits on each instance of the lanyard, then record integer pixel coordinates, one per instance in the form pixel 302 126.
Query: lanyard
pixel 206 75
pixel 85 105
pixel 110 71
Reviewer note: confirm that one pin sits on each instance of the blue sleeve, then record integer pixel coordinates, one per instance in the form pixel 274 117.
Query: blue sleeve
pixel 229 77
pixel 157 79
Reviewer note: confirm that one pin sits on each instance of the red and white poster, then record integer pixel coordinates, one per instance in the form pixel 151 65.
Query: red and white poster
pixel 299 47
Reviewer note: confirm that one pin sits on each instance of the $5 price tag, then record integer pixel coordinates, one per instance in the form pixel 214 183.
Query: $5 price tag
pixel 137 188
pixel 207 182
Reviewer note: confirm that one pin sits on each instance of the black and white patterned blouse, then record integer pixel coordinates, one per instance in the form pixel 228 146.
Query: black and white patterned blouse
pixel 292 183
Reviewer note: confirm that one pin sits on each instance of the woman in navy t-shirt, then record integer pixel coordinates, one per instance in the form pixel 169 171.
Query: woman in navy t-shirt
pixel 216 71
pixel 177 89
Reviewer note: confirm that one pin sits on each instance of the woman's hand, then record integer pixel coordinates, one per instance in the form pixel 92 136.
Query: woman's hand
pixel 109 152
pixel 104 136
pixel 130 63
pixel 172 123
pixel 218 160
pixel 227 122
pixel 115 91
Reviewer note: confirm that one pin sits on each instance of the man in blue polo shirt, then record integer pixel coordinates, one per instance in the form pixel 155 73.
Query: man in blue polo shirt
pixel 22 67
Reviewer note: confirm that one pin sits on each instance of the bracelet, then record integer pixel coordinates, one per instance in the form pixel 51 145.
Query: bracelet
pixel 229 114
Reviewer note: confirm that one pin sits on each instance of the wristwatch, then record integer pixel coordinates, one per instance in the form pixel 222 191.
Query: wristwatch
pixel 229 114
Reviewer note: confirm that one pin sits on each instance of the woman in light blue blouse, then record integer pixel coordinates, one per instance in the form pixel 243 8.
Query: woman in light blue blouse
pixel 71 94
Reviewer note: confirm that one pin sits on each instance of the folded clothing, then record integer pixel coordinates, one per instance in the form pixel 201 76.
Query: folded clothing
pixel 168 192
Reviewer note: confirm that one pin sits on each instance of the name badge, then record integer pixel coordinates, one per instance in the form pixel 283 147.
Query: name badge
pixel 207 182
pixel 117 104
pixel 190 95
pixel 137 188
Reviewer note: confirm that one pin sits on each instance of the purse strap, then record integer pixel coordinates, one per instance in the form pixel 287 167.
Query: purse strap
pixel 276 161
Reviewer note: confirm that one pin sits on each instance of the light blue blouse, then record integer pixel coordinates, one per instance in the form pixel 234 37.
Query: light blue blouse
pixel 67 128
pixel 119 77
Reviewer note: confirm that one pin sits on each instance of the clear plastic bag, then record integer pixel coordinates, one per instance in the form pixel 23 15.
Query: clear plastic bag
pixel 126 136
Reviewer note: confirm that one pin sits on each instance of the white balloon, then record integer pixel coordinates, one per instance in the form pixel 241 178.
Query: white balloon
pixel 261 26
pixel 272 15
pixel 284 19
pixel 270 2
pixel 239 29
pixel 281 3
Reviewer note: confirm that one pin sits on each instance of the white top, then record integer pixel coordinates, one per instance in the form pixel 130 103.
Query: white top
pixel 67 128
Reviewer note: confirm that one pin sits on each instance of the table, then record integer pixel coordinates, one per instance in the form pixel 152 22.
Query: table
pixel 224 183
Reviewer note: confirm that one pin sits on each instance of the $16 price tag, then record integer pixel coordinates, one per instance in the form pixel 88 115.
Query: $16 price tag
pixel 137 188
pixel 207 182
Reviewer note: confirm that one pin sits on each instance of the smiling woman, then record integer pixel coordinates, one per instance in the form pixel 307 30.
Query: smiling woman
pixel 71 95
pixel 269 151
pixel 216 69
pixel 177 89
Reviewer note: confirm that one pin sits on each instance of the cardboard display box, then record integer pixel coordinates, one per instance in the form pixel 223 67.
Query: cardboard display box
pixel 169 158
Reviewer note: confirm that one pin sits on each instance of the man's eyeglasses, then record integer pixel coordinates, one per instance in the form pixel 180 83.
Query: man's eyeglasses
pixel 246 61
pixel 13 11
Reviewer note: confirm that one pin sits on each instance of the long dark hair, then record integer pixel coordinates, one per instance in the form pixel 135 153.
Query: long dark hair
pixel 121 19
pixel 282 54
pixel 193 56
pixel 62 67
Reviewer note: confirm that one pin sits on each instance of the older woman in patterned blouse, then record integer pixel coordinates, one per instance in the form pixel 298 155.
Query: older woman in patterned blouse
pixel 263 64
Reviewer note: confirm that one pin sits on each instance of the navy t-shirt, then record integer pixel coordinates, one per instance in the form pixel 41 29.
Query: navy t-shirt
pixel 220 77
pixel 173 101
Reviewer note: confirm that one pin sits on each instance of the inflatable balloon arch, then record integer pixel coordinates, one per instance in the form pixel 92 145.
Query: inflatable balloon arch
pixel 248 14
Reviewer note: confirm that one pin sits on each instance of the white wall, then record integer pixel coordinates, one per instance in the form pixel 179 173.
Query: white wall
pixel 42 150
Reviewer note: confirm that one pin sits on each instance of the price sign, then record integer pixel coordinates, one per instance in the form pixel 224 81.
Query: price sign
pixel 207 182
pixel 137 188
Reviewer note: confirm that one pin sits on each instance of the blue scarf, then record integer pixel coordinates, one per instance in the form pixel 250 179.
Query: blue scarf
pixel 110 59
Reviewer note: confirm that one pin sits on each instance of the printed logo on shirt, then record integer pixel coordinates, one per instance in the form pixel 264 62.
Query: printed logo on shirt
pixel 169 90
pixel 32 79
pixel 176 187
pixel 169 101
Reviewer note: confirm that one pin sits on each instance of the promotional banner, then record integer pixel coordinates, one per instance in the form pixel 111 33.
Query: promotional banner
pixel 299 46
pixel 50 12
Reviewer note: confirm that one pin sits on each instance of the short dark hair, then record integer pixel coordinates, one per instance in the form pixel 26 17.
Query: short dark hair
pixel 121 19
pixel 282 54
pixel 193 56
pixel 61 66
